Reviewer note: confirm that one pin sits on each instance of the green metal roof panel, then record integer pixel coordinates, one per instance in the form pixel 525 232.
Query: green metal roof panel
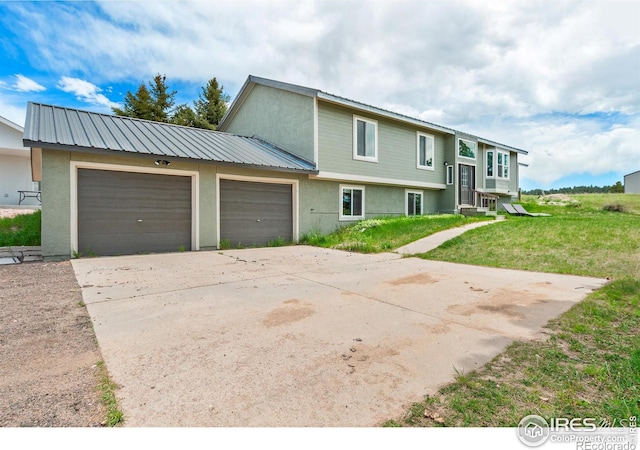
pixel 56 127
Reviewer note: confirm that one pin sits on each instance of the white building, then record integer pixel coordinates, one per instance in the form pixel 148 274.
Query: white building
pixel 15 167
pixel 632 183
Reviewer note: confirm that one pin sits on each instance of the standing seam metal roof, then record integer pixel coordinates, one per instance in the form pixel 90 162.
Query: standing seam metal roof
pixel 57 127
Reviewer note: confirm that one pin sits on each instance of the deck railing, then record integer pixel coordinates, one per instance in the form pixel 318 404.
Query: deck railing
pixel 485 200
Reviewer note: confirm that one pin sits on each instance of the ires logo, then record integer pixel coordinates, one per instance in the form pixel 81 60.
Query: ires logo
pixel 575 424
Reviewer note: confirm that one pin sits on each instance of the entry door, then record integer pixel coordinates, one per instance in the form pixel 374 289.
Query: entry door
pixel 467 183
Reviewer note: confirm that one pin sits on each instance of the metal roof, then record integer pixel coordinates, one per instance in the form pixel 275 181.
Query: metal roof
pixel 311 92
pixel 54 127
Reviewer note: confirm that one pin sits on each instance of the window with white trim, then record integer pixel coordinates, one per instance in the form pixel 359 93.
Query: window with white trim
pixel 365 139
pixel 351 202
pixel 426 151
pixel 414 203
pixel 497 164
pixel 467 149
pixel 502 165
pixel 490 163
pixel 449 174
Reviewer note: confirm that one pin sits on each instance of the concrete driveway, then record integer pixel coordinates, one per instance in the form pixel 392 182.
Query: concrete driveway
pixel 301 336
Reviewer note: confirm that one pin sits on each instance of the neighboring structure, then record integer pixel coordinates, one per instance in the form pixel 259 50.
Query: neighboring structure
pixel 15 166
pixel 632 183
pixel 115 185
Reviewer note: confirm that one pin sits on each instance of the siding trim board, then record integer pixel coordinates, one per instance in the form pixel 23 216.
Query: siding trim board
pixel 344 177
pixel 195 183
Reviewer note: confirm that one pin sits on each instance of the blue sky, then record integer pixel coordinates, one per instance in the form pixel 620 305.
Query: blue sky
pixel 560 79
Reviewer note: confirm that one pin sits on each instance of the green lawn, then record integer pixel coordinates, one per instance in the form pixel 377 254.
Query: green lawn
pixel 20 230
pixel 385 234
pixel 589 366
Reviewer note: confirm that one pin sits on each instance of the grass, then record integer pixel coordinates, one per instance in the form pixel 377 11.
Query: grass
pixel 590 364
pixel 23 229
pixel 107 396
pixel 385 234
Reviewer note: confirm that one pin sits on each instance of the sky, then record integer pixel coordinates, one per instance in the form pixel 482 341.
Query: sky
pixel 560 79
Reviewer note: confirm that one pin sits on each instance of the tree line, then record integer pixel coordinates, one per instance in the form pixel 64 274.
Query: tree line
pixel 617 188
pixel 157 102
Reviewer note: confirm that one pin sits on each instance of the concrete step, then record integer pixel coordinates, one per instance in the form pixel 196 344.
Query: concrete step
pixel 21 253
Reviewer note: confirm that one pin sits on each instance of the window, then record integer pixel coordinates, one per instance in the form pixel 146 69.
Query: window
pixel 503 165
pixel 351 202
pixel 426 145
pixel 449 174
pixel 490 163
pixel 413 203
pixel 365 139
pixel 467 149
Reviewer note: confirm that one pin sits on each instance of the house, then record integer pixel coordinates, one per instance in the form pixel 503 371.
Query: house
pixel 288 160
pixel 632 183
pixel 15 167
pixel 381 162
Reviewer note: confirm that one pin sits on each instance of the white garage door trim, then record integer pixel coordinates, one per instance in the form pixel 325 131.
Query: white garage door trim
pixel 252 179
pixel 195 190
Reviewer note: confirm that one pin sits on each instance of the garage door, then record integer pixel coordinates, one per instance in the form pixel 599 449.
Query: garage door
pixel 255 213
pixel 123 213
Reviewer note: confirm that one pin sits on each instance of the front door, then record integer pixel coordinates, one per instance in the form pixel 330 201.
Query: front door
pixel 467 183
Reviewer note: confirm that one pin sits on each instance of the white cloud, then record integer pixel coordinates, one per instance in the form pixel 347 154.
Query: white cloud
pixel 24 84
pixel 490 68
pixel 86 91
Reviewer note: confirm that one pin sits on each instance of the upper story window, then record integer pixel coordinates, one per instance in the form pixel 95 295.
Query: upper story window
pixel 467 149
pixel 365 139
pixel 426 151
pixel 503 165
pixel 497 164
pixel 490 160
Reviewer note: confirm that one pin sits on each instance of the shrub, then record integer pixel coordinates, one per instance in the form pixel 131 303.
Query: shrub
pixel 614 207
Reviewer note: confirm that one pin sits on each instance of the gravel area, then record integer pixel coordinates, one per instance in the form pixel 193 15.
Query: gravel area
pixel 48 350
pixel 4 212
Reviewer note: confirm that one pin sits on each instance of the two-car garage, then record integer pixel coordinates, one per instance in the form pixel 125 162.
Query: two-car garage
pixel 123 212
pixel 113 185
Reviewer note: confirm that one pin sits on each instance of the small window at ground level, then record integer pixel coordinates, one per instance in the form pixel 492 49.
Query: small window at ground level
pixel 352 203
pixel 414 203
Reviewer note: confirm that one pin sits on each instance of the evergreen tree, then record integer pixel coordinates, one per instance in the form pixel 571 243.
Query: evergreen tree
pixel 211 105
pixel 617 188
pixel 184 116
pixel 153 103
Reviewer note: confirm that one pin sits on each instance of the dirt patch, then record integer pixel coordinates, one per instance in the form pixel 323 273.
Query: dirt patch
pixel 419 278
pixel 292 311
pixel 506 302
pixel 48 350
pixel 557 199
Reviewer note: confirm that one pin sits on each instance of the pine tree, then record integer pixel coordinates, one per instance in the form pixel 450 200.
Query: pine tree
pixel 211 105
pixel 153 103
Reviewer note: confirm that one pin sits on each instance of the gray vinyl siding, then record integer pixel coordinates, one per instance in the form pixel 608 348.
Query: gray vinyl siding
pixel 396 147
pixel 283 118
pixel 320 204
